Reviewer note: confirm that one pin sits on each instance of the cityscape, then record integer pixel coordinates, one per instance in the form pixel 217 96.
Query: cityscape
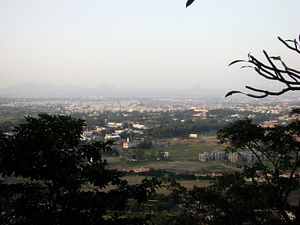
pixel 149 112
pixel 145 125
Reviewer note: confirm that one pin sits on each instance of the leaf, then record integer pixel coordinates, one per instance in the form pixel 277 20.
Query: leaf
pixel 233 92
pixel 189 2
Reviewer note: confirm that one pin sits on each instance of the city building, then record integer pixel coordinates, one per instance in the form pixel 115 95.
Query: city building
pixel 193 135
pixel 270 123
pixel 234 157
pixel 201 113
pixel 113 137
pixel 130 144
pixel 166 155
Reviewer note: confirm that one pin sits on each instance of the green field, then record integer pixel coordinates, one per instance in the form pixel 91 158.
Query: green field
pixel 11 118
pixel 135 179
pixel 183 157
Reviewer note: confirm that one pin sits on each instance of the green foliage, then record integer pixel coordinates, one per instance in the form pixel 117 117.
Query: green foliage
pixel 138 154
pixel 278 173
pixel 240 133
pixel 256 195
pixel 51 164
pixel 146 144
pixel 178 129
pixel 230 200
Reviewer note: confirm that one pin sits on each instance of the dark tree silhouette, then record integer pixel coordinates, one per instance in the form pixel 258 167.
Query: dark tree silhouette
pixel 275 69
pixel 264 200
pixel 280 147
pixel 50 177
pixel 257 195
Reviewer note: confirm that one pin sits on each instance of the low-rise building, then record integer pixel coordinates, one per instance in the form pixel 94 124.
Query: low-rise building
pixel 130 144
pixel 234 157
pixel 201 113
pixel 114 125
pixel 270 123
pixel 193 135
pixel 113 137
pixel 139 126
pixel 166 155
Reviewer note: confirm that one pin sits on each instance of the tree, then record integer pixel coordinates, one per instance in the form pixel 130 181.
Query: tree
pixel 234 201
pixel 229 200
pixel 275 69
pixel 280 147
pixel 146 144
pixel 257 195
pixel 50 177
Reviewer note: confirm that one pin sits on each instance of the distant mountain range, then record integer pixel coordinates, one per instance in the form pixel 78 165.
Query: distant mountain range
pixel 35 90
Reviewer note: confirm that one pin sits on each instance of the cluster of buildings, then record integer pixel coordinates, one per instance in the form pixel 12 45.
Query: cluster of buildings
pixel 134 170
pixel 128 144
pixel 234 157
pixel 113 131
pixel 94 106
pixel 200 113
pixel 208 175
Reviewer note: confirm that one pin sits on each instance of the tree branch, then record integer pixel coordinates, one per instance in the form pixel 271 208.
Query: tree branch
pixel 285 75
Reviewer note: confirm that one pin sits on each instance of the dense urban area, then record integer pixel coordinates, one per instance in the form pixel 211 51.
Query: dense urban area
pixel 148 130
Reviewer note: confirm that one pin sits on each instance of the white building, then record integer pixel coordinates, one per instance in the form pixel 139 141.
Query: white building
pixel 166 155
pixel 114 125
pixel 139 126
pixel 193 136
pixel 130 144
pixel 113 137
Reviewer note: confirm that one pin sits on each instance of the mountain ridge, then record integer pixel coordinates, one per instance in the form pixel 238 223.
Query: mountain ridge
pixel 36 90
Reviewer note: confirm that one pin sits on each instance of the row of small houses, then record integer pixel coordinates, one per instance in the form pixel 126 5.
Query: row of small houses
pixel 234 157
pixel 134 169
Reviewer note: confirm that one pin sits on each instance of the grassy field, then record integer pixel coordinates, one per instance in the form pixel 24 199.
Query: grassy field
pixel 11 118
pixel 134 179
pixel 177 166
pixel 294 197
pixel 183 157
pixel 186 149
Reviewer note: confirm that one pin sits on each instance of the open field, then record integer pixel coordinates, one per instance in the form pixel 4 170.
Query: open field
pixel 182 166
pixel 134 179
pixel 183 157
pixel 11 118
pixel 294 197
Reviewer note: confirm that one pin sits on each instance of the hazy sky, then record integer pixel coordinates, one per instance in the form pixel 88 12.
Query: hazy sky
pixel 141 43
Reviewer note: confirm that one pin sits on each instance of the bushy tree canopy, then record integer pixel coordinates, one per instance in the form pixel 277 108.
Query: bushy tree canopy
pixel 50 177
pixel 258 194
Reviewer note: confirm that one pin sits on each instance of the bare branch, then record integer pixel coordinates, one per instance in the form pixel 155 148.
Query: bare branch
pixel 285 75
pixel 296 44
